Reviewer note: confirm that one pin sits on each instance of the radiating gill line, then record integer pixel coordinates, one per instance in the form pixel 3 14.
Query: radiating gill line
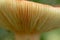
pixel 7 20
pixel 41 26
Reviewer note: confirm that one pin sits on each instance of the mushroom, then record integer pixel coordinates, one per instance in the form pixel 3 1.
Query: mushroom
pixel 28 19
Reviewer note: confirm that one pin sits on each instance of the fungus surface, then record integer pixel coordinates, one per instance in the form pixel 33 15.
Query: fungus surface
pixel 28 19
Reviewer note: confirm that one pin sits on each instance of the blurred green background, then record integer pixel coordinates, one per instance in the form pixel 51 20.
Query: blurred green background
pixel 50 2
pixel 6 35
pixel 52 35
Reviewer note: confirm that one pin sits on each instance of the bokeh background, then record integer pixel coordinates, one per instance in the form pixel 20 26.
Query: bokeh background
pixel 51 35
pixel 50 2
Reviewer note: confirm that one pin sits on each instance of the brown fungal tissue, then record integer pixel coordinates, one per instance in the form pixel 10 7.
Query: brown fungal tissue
pixel 28 19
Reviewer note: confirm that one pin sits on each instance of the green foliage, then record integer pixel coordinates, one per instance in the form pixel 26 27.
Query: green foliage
pixel 50 2
pixel 6 35
pixel 52 35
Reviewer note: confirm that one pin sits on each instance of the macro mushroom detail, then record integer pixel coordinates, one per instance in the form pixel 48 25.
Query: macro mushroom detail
pixel 25 17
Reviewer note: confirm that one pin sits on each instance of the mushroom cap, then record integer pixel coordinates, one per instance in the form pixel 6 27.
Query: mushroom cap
pixel 28 17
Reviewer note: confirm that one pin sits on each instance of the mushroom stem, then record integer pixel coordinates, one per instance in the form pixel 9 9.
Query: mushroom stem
pixel 27 36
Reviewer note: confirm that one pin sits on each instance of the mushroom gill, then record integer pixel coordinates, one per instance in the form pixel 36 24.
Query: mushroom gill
pixel 25 17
